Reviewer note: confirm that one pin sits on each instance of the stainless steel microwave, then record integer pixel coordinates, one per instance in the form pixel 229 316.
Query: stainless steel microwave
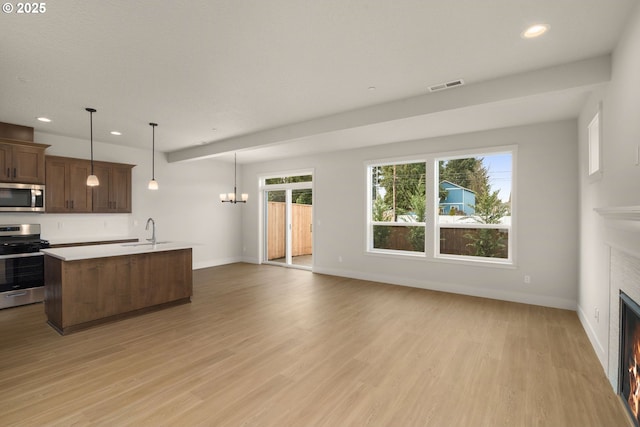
pixel 21 197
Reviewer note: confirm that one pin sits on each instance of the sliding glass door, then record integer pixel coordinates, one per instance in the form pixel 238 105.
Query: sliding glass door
pixel 276 226
pixel 301 227
pixel 288 223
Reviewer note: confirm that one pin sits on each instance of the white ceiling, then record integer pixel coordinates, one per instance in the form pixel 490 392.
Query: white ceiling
pixel 280 78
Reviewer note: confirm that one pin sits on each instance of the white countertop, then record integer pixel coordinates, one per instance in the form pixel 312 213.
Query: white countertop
pixel 79 240
pixel 75 253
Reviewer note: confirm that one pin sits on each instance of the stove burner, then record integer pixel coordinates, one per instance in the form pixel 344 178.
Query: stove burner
pixel 23 238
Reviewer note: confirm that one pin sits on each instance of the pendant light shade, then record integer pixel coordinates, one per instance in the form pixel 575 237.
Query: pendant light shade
pixel 153 184
pixel 233 197
pixel 92 180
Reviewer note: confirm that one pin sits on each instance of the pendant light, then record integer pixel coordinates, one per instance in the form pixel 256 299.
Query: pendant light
pixel 233 197
pixel 153 184
pixel 92 180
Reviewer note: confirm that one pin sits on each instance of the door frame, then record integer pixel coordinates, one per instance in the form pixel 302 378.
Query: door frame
pixel 288 188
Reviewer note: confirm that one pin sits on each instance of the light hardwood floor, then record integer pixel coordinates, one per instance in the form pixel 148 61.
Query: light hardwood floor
pixel 270 346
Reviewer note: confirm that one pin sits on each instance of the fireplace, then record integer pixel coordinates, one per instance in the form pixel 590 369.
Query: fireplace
pixel 629 375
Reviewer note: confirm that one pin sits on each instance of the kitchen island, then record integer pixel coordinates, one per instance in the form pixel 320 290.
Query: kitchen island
pixel 90 285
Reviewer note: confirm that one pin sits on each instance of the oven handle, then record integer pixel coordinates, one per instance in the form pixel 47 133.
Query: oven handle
pixel 28 254
pixel 16 294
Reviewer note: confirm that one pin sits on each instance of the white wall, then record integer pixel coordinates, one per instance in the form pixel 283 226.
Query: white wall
pixel 618 186
pixel 547 241
pixel 185 208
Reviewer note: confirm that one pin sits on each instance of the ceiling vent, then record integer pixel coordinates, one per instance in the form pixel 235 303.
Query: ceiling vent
pixel 447 85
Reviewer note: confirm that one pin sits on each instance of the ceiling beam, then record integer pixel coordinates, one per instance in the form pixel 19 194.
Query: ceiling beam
pixel 585 73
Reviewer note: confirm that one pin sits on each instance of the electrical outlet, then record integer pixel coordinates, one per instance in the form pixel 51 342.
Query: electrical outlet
pixel 596 314
pixel 339 258
pixel 527 279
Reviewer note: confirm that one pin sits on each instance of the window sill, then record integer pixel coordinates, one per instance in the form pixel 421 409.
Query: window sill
pixel 421 256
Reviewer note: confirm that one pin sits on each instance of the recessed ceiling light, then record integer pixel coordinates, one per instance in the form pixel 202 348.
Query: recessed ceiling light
pixel 371 88
pixel 535 31
pixel 115 132
pixel 44 119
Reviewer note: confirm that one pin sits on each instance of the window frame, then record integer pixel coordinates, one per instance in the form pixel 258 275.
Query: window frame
pixel 464 154
pixel 594 145
pixel 369 208
pixel 431 224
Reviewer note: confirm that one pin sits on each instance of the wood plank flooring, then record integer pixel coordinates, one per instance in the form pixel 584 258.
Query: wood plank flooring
pixel 270 346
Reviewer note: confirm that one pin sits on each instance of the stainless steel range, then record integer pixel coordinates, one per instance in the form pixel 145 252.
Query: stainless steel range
pixel 21 265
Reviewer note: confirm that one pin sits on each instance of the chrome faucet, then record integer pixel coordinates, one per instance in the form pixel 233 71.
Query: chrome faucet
pixel 153 233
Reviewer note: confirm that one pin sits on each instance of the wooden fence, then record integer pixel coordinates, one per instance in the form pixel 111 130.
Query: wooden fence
pixel 455 241
pixel 452 241
pixel 301 233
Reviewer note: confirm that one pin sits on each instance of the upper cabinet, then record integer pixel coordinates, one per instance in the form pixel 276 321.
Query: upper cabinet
pixel 22 162
pixel 67 190
pixel 113 195
pixel 66 182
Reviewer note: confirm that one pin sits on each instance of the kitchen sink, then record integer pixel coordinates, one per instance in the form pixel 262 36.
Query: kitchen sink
pixel 144 244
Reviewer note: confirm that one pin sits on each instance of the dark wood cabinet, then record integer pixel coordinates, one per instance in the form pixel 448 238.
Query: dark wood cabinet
pixel 66 181
pixel 67 190
pixel 22 162
pixel 113 195
pixel 87 292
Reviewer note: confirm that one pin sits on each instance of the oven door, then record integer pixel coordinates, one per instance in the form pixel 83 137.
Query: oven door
pixel 21 271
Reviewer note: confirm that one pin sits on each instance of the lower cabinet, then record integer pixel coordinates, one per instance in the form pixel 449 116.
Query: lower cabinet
pixel 83 293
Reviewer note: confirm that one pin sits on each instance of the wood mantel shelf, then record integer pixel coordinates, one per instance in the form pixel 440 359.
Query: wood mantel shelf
pixel 620 212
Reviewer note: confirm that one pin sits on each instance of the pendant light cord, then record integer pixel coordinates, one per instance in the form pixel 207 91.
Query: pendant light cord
pixel 91 133
pixel 153 151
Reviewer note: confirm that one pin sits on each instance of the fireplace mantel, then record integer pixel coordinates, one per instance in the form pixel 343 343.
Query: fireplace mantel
pixel 620 212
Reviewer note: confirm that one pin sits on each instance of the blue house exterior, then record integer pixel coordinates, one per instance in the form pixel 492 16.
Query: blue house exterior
pixel 460 198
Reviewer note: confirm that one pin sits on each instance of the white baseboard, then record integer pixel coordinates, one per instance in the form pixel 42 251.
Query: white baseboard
pixel 541 300
pixel 593 338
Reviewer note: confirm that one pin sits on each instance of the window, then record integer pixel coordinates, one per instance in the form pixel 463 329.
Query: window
pixel 594 145
pixel 474 206
pixel 470 196
pixel 287 179
pixel 397 207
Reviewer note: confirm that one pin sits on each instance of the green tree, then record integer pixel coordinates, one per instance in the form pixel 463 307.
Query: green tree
pixel 489 209
pixel 400 182
pixel 419 208
pixel 380 232
pixel 302 197
pixel 288 179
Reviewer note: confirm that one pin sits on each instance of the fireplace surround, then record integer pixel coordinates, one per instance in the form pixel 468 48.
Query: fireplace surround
pixel 629 363
pixel 620 235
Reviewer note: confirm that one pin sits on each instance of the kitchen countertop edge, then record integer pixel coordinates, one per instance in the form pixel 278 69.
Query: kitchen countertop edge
pixel 75 253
